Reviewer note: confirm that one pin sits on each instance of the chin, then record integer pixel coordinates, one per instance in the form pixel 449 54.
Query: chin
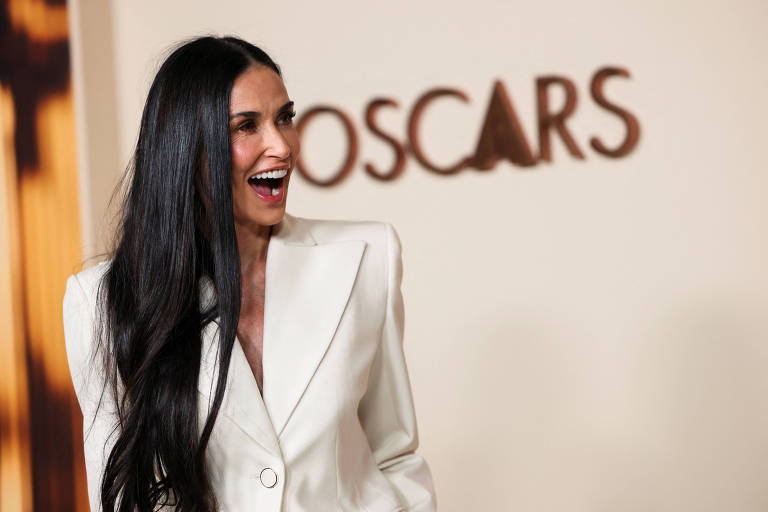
pixel 273 218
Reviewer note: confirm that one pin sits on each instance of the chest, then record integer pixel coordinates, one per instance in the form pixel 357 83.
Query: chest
pixel 250 330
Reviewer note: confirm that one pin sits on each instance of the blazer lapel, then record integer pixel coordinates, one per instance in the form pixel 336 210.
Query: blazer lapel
pixel 307 288
pixel 242 402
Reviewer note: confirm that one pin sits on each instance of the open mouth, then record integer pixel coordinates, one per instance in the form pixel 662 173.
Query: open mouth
pixel 269 185
pixel 266 186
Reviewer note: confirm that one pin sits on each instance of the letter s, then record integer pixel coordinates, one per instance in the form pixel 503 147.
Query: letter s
pixel 633 127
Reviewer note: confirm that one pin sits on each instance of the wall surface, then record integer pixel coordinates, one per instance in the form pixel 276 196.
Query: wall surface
pixel 584 334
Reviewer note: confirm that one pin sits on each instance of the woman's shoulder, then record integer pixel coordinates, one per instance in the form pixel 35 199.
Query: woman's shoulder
pixel 82 287
pixel 323 231
pixel 79 313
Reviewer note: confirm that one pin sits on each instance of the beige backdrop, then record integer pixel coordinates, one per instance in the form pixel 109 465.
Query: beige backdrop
pixel 583 335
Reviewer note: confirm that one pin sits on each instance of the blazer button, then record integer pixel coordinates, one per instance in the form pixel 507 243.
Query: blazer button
pixel 268 477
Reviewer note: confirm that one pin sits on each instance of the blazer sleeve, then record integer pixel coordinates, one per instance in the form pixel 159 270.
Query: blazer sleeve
pixel 86 370
pixel 386 410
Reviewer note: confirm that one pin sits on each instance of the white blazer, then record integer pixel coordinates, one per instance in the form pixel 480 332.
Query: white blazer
pixel 336 429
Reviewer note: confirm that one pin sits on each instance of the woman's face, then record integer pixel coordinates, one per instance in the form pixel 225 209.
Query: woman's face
pixel 265 146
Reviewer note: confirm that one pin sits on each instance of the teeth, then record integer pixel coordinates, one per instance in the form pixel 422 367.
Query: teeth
pixel 280 173
pixel 275 191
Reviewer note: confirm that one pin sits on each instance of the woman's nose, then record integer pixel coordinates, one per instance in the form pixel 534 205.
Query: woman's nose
pixel 276 143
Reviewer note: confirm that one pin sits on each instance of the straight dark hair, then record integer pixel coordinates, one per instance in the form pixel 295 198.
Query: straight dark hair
pixel 176 227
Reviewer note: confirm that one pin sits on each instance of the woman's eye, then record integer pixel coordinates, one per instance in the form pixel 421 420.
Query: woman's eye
pixel 247 127
pixel 287 118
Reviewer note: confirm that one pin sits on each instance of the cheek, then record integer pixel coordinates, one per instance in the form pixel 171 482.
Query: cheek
pixel 238 196
pixel 294 143
pixel 239 157
pixel 245 153
pixel 240 165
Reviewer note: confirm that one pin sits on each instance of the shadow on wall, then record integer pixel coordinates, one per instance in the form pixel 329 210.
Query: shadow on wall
pixel 668 415
pixel 708 387
pixel 44 431
pixel 34 64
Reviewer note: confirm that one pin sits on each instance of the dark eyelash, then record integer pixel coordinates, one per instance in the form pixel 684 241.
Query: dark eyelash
pixel 247 126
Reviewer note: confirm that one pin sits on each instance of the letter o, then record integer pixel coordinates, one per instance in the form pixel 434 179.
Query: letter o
pixel 349 162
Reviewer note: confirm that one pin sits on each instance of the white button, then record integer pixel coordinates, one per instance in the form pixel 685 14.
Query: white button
pixel 268 477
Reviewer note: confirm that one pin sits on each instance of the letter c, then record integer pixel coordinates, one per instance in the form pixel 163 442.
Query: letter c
pixel 413 130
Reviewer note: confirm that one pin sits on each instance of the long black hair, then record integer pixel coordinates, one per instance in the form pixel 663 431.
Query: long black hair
pixel 176 227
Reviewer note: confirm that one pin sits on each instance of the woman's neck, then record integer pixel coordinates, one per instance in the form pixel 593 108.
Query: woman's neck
pixel 252 245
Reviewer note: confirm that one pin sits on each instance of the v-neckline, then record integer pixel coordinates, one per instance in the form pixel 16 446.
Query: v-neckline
pixel 262 289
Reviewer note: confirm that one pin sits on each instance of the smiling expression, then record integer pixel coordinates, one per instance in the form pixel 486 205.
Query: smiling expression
pixel 264 144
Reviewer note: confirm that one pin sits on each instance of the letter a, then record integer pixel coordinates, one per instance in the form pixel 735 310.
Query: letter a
pixel 502 135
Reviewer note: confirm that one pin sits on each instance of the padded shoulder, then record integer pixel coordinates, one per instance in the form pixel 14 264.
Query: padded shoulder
pixel 329 231
pixel 88 282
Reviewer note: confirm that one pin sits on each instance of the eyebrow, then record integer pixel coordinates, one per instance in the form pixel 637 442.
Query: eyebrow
pixel 255 115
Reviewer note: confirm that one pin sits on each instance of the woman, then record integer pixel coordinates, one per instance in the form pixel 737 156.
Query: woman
pixel 231 356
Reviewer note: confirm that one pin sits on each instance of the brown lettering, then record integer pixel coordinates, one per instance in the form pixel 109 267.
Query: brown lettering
pixel 349 162
pixel 548 120
pixel 502 134
pixel 633 127
pixel 399 165
pixel 413 130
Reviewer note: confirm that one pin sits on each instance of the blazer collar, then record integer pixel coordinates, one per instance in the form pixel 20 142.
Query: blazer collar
pixel 307 288
pixel 292 230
